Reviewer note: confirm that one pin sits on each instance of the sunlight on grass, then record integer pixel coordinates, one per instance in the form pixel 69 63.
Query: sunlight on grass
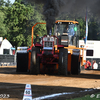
pixel 88 97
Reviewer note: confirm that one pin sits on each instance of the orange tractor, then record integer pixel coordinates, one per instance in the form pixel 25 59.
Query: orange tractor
pixel 57 53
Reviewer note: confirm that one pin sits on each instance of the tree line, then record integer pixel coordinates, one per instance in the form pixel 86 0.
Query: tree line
pixel 17 19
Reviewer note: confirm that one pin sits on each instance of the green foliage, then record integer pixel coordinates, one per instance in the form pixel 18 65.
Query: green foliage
pixel 8 3
pixel 16 21
pixel 82 27
pixel 94 30
pixel 88 97
pixel 19 21
pixel 3 30
pixel 2 2
pixel 19 1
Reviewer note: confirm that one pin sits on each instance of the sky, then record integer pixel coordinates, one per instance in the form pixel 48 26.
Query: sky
pixel 12 1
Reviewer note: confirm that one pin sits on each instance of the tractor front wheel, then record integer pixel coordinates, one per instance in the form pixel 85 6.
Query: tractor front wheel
pixel 35 61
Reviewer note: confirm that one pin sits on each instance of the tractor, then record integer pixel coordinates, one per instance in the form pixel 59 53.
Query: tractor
pixel 57 52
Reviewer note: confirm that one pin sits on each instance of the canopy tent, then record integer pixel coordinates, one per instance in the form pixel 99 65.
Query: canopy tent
pixel 5 45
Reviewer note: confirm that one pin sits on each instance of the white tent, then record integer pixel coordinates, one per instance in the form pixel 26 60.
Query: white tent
pixel 5 45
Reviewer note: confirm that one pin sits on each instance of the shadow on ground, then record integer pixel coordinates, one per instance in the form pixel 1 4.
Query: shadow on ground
pixel 17 90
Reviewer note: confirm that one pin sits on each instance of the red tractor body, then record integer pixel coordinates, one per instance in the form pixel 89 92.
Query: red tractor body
pixel 48 56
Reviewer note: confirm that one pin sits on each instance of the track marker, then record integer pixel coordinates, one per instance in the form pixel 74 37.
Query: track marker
pixel 27 92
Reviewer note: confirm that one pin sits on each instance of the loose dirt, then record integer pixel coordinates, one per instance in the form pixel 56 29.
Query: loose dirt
pixel 12 84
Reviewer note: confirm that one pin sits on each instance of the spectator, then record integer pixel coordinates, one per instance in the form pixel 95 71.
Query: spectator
pixel 88 64
pixel 95 65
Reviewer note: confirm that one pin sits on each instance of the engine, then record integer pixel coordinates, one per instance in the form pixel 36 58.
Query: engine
pixel 48 43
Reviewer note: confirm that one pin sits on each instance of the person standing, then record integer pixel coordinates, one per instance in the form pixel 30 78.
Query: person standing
pixel 88 64
pixel 95 65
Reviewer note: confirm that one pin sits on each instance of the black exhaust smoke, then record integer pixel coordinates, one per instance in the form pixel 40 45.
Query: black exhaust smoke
pixel 51 11
pixel 77 8
pixel 70 6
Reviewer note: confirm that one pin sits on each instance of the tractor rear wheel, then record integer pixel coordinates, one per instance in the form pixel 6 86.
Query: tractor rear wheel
pixel 35 61
pixel 63 58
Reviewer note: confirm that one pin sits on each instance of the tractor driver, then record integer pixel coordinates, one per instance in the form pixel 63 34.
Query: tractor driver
pixel 66 30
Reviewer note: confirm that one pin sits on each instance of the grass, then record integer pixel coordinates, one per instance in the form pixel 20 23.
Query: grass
pixel 89 97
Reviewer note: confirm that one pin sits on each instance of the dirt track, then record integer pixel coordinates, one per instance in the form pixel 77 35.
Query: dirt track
pixel 13 83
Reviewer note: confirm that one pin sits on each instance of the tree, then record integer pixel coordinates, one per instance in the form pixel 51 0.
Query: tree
pixel 94 30
pixel 16 19
pixel 19 21
pixel 3 31
pixel 2 2
pixel 19 1
pixel 8 3
pixel 82 27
